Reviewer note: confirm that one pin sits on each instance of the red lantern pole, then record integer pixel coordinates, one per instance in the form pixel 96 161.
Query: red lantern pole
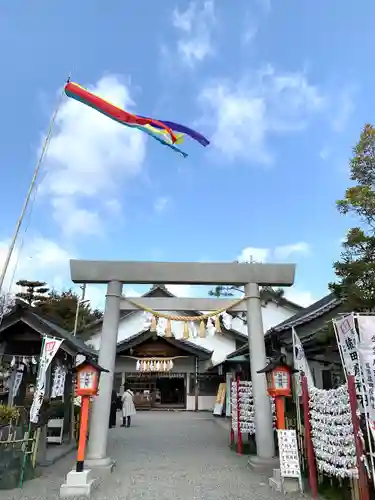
pixel 363 483
pixel 308 441
pixel 231 434
pixel 280 412
pixel 239 435
pixel 85 403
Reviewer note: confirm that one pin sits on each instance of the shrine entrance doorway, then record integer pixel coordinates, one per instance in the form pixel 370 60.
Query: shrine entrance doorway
pixel 158 391
pixel 172 392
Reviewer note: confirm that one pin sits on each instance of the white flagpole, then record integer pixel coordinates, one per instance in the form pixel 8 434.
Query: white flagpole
pixel 29 193
pixel 297 396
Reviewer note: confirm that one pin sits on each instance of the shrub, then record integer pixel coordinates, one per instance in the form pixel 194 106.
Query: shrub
pixel 8 414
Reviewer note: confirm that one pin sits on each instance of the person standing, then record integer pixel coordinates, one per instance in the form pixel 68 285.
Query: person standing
pixel 128 408
pixel 113 412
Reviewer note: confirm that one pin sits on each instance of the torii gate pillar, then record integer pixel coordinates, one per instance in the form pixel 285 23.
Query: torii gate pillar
pixel 116 273
pixel 263 411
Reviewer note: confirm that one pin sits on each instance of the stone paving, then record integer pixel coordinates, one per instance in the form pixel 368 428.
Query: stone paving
pixel 163 456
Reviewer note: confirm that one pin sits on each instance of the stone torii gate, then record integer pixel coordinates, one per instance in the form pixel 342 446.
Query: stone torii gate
pixel 117 273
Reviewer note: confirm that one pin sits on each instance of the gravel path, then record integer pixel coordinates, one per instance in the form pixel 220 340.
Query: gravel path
pixel 163 456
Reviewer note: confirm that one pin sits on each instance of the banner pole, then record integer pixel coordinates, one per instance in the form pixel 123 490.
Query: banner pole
pixel 308 440
pixel 363 483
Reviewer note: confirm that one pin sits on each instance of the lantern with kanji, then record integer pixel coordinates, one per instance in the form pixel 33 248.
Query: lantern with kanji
pixel 278 375
pixel 88 374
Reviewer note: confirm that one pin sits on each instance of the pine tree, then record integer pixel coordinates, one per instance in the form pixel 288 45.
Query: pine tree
pixel 266 292
pixel 35 291
pixel 356 268
pixel 61 307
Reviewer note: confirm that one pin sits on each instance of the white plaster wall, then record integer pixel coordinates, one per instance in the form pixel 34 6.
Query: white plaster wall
pixel 316 369
pixel 272 315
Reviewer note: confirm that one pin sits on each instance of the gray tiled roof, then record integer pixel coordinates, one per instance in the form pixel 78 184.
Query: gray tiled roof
pixel 46 326
pixel 143 335
pixel 308 314
pixel 314 311
pixel 74 341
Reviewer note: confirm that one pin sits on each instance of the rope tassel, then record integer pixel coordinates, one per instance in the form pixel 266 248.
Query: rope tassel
pixel 153 324
pixel 217 324
pixel 202 330
pixel 168 329
pixel 185 318
pixel 186 330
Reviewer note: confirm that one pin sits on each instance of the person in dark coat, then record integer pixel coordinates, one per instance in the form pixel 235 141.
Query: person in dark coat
pixel 113 412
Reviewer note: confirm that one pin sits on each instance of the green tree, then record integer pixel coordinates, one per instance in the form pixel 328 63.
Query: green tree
pixel 61 307
pixel 35 291
pixel 356 268
pixel 266 292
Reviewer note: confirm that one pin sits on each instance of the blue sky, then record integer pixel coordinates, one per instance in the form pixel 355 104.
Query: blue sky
pixel 280 89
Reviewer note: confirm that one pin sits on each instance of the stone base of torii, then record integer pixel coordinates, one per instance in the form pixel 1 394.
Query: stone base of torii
pixel 117 273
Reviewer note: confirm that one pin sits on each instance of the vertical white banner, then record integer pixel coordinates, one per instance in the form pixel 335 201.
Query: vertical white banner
pixel 348 341
pixel 367 358
pixel 300 363
pixel 17 381
pixel 58 383
pixel 49 350
pixel 347 338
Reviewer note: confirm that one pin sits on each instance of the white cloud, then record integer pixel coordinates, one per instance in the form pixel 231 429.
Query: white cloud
pixel 249 254
pixel 180 290
pixel 345 109
pixel 245 114
pixel 194 25
pixel 265 5
pixel 250 32
pixel 113 206
pixel 325 153
pixel 45 260
pixel 161 204
pixel 278 253
pixel 256 13
pixel 74 220
pixel 285 251
pixel 301 298
pixel 39 259
pixel 88 158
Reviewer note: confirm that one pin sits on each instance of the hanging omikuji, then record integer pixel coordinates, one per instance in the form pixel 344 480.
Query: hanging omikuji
pixel 332 432
pixel 243 406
